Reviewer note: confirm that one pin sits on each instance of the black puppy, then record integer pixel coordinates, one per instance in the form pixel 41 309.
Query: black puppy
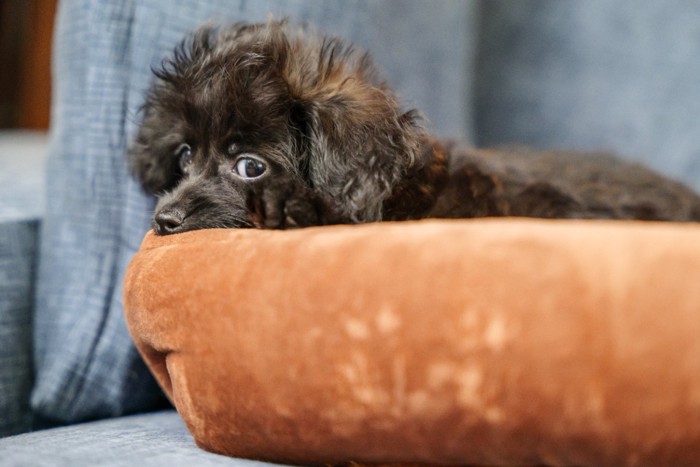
pixel 267 125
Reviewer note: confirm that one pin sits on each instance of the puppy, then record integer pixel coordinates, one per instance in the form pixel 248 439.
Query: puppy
pixel 271 126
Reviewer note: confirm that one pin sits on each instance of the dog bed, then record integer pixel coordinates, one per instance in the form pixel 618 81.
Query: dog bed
pixel 445 342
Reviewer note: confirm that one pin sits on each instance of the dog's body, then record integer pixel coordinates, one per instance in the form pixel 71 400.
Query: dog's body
pixel 518 181
pixel 269 126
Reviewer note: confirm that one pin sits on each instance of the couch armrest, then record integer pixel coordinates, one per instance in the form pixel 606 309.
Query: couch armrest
pixel 18 246
pixel 22 157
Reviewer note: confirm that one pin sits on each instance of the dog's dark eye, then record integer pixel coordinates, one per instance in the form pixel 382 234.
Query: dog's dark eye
pixel 249 167
pixel 184 154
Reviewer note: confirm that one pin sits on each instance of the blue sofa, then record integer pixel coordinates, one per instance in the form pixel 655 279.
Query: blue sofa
pixel 595 75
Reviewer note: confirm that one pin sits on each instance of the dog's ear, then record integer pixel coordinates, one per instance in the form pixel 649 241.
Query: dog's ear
pixel 150 157
pixel 358 141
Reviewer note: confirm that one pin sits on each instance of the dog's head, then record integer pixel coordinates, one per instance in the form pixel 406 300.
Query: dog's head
pixel 240 106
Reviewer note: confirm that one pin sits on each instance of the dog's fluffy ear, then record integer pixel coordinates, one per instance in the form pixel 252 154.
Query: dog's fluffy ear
pixel 359 143
pixel 150 157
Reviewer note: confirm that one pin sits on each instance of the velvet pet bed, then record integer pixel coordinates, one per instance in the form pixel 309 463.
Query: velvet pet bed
pixel 445 342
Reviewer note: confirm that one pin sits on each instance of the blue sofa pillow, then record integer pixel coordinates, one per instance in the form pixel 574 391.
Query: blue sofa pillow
pixel 86 365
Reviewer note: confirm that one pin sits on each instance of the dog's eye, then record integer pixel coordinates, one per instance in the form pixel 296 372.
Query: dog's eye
pixel 184 154
pixel 249 167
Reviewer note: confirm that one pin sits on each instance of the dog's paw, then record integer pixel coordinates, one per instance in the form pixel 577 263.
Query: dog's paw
pixel 302 212
pixel 290 208
pixel 288 204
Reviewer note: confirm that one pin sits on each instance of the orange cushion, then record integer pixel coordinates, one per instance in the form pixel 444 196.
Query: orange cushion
pixel 468 341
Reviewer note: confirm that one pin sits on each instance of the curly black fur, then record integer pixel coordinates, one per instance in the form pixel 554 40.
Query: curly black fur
pixel 336 147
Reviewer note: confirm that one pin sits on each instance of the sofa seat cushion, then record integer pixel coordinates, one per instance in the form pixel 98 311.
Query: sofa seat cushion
pixel 149 440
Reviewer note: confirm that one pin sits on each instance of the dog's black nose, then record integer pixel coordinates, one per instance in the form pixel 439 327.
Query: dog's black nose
pixel 168 221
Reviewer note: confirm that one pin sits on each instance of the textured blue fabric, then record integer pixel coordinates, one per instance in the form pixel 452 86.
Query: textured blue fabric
pixel 86 365
pixel 153 440
pixel 621 76
pixel 21 204
pixel 17 254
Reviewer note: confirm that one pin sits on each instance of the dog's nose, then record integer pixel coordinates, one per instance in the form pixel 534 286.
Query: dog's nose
pixel 168 221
